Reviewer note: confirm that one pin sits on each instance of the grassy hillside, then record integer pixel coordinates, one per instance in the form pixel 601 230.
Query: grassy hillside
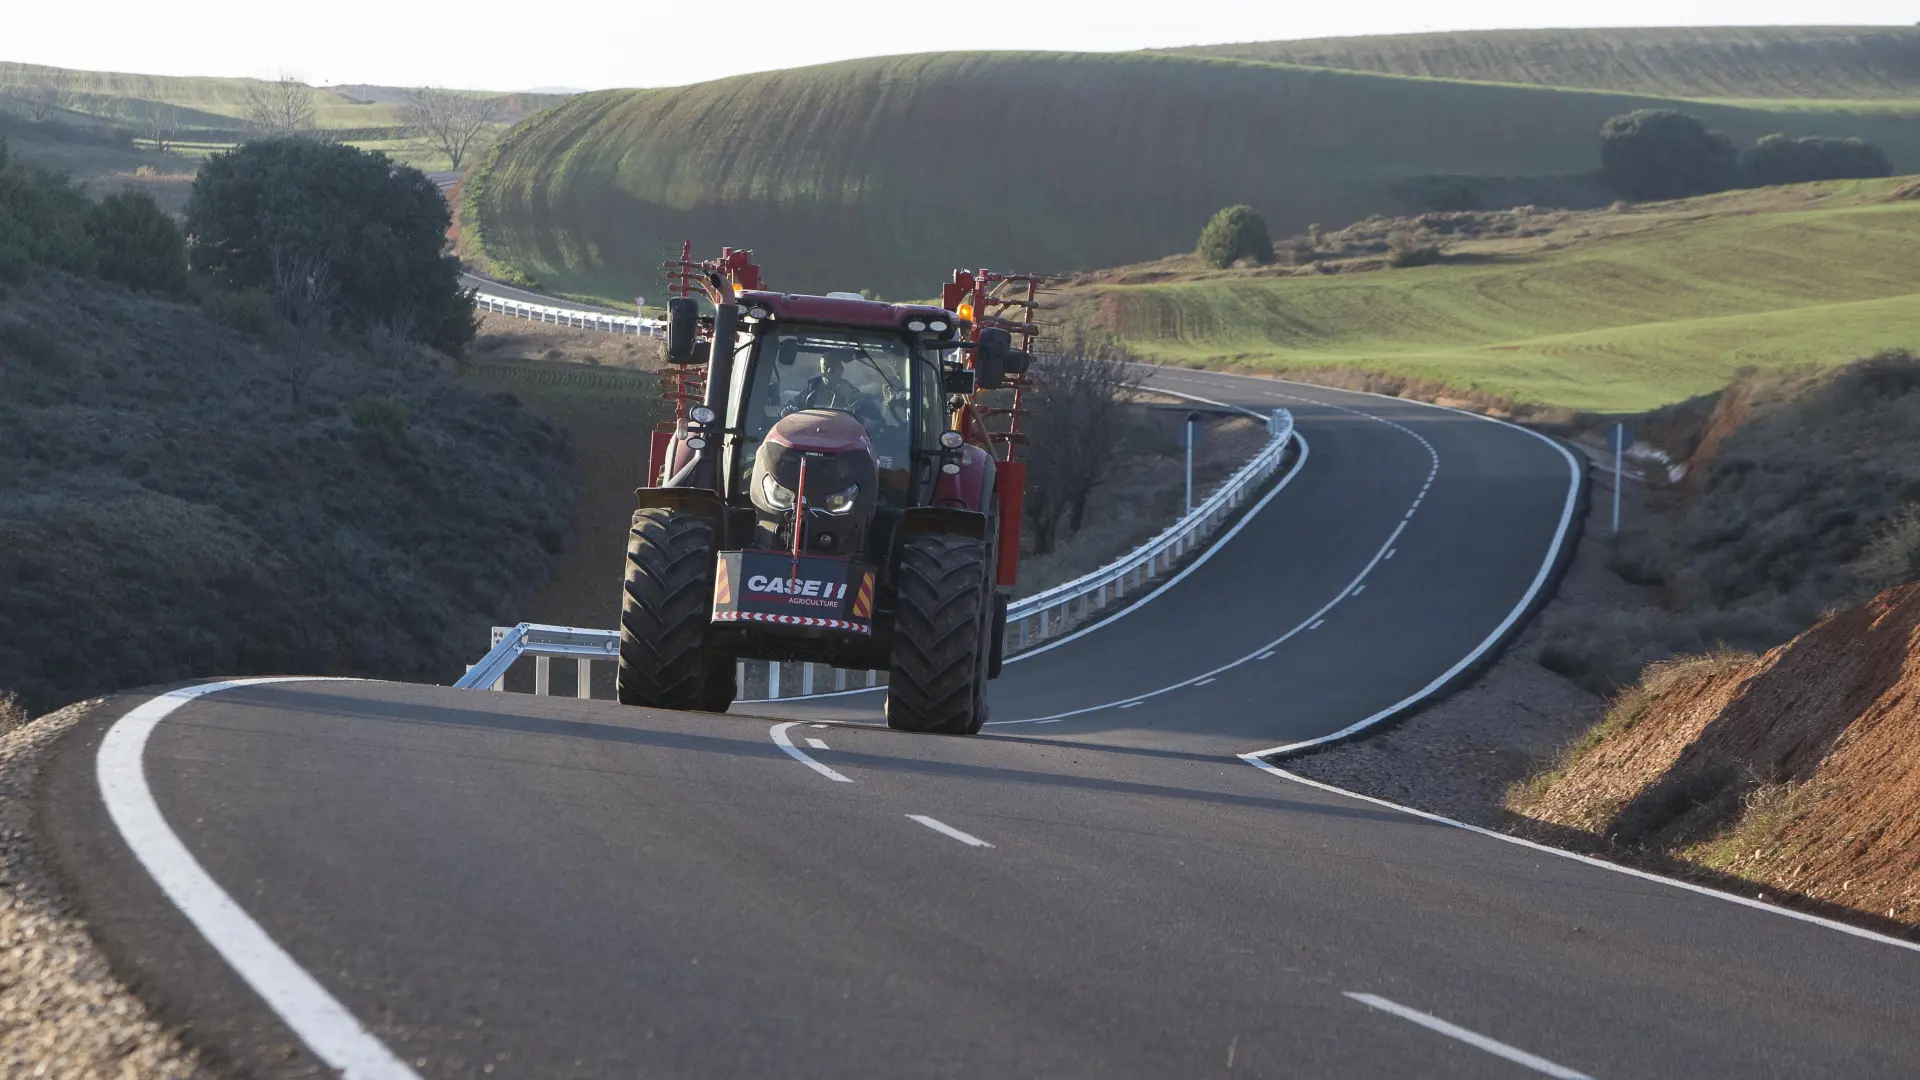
pixel 1602 311
pixel 886 173
pixel 1831 62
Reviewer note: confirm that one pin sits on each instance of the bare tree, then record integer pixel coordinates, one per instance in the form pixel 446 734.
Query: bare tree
pixel 161 123
pixel 42 91
pixel 1078 403
pixel 305 297
pixel 450 123
pixel 281 107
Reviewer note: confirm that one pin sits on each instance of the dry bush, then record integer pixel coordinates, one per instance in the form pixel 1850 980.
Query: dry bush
pixel 166 511
pixel 13 713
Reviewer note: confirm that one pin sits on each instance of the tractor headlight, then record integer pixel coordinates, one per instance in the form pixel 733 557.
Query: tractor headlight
pixel 777 495
pixel 841 501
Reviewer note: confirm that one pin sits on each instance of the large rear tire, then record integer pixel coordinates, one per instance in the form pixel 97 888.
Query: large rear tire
pixel 666 607
pixel 938 681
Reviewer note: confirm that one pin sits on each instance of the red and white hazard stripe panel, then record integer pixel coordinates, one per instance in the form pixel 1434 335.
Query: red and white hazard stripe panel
pixel 790 620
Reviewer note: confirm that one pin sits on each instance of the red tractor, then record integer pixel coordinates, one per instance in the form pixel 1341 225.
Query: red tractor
pixel 834 490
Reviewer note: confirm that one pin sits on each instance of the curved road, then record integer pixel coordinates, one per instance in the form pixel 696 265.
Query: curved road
pixel 412 880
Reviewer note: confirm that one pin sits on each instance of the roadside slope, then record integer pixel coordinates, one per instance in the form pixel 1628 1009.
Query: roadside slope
pixel 1799 769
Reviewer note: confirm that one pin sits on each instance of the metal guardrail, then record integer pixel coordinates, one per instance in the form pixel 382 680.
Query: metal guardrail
pixel 558 316
pixel 1030 622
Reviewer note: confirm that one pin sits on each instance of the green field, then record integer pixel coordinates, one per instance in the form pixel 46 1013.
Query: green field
pixel 884 174
pixel 1610 312
pixel 1723 62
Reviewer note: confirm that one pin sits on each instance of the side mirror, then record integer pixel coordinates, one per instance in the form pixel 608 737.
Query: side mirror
pixel 959 381
pixel 990 358
pixel 683 324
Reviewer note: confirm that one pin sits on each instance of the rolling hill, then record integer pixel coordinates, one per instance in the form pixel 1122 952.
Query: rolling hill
pixel 886 173
pixel 1785 62
pixel 1604 311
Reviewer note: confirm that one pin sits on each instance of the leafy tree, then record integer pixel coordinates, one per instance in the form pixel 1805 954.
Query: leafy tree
pixel 136 244
pixel 338 235
pixel 43 219
pixel 1662 154
pixel 1235 233
pixel 1777 159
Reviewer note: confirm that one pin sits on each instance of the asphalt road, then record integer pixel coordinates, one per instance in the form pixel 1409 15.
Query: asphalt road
pixel 442 883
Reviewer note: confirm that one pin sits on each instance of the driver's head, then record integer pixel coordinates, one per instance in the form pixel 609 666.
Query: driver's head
pixel 832 367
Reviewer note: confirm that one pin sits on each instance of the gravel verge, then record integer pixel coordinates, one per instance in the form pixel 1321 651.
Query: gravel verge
pixel 63 1013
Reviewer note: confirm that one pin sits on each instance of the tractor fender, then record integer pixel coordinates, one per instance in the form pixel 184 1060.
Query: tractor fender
pixel 972 487
pixel 943 519
pixel 703 501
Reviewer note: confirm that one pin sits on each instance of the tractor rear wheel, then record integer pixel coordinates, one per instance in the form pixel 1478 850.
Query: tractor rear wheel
pixel 938 681
pixel 666 606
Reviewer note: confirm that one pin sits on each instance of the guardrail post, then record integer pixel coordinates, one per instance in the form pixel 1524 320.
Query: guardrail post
pixel 806 680
pixel 542 672
pixel 740 679
pixel 773 679
pixel 582 677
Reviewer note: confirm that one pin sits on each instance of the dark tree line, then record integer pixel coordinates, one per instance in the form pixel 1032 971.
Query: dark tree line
pixel 1663 154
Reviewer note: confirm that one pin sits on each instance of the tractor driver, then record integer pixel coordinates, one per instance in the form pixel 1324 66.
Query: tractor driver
pixel 831 389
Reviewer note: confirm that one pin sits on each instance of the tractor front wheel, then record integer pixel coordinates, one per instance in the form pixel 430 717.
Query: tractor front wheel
pixel 938 681
pixel 665 609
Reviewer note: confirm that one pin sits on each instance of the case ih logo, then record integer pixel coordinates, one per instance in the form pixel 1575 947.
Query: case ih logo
pixel 760 583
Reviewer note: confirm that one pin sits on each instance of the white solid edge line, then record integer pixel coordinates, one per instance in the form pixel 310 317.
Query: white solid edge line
pixel 945 829
pixel 1545 849
pixel 1519 610
pixel 780 739
pixel 315 1016
pixel 1471 1038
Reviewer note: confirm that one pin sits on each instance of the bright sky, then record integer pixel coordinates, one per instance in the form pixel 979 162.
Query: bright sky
pixel 591 44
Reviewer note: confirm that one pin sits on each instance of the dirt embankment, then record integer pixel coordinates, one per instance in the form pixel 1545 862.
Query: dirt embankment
pixel 1799 769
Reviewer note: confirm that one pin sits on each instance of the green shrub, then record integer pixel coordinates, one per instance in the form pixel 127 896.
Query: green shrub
pixel 1777 159
pixel 1235 233
pixel 1662 154
pixel 249 311
pixel 338 235
pixel 137 244
pixel 381 415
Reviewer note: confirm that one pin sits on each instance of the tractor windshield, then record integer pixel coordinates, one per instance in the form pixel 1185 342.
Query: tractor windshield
pixel 870 374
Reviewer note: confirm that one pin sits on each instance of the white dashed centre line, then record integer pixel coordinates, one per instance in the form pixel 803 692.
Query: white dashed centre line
pixel 1317 625
pixel 1268 655
pixel 817 744
pixel 1204 681
pixel 820 725
pixel 1358 589
pixel 1391 552
pixel 945 829
pixel 1130 704
pixel 1471 1038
